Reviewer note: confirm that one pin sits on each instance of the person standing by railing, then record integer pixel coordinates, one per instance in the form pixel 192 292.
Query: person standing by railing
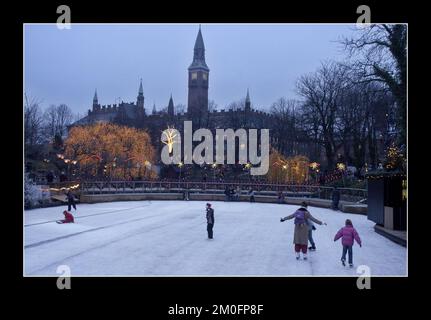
pixel 335 198
pixel 251 194
pixel 280 197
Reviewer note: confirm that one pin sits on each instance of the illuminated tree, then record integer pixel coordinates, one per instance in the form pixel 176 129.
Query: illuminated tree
pixel 287 170
pixel 112 151
pixel 394 158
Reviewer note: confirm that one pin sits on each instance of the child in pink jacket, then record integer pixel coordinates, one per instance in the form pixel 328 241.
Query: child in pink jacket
pixel 348 235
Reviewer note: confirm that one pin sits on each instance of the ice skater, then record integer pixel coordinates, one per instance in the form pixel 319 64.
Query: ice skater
pixel 68 218
pixel 300 236
pixel 311 228
pixel 348 236
pixel 210 220
pixel 70 201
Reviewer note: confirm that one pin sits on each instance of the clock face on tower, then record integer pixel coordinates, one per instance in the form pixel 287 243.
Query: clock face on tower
pixel 194 76
pixel 205 76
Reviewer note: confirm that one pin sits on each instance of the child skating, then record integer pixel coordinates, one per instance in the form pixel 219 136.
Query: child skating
pixel 300 237
pixel 348 236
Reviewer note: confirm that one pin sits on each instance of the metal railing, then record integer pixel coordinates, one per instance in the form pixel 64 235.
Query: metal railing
pixel 303 191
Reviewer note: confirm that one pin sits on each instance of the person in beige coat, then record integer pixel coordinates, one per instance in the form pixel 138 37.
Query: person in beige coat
pixel 300 235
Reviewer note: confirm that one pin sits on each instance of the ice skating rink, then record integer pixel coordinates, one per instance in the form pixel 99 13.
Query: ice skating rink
pixel 159 238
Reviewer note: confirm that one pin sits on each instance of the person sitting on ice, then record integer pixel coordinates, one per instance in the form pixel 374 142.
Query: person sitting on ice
pixel 68 218
pixel 300 235
pixel 348 236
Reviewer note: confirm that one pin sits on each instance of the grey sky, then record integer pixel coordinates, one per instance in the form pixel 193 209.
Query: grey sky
pixel 65 66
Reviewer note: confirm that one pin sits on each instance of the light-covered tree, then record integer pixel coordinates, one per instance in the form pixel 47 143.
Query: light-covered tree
pixel 111 151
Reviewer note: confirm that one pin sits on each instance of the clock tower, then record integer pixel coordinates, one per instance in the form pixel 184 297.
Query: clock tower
pixel 197 107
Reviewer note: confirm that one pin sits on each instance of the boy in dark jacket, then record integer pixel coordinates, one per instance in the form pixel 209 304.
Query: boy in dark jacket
pixel 70 201
pixel 210 220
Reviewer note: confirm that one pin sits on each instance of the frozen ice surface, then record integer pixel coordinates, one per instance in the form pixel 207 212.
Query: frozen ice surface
pixel 147 238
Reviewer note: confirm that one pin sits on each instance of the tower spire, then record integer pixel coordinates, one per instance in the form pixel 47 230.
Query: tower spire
pixel 95 100
pixel 199 53
pixel 171 106
pixel 141 90
pixel 247 101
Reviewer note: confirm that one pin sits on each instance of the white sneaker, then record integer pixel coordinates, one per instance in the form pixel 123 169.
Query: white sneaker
pixel 304 256
pixel 297 256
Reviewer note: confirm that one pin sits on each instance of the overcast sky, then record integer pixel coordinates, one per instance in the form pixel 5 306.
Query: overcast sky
pixel 65 66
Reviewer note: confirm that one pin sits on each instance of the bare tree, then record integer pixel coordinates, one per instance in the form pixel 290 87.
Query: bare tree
pixel 180 108
pixel 285 131
pixel 33 122
pixel 57 118
pixel 321 91
pixel 380 53
pixel 212 106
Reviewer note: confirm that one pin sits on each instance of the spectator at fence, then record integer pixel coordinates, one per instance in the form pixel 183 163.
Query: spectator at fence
pixel 251 194
pixel 335 198
pixel 280 197
pixel 227 193
pixel 231 193
pixel 238 193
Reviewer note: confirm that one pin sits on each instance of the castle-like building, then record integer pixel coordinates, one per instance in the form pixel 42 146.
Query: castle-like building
pixel 135 114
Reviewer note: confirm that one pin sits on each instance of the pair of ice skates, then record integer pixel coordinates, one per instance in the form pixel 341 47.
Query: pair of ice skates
pixel 298 256
pixel 344 263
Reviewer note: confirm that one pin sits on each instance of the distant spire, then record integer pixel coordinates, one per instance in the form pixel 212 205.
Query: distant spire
pixel 247 101
pixel 171 106
pixel 95 100
pixel 141 90
pixel 247 98
pixel 154 108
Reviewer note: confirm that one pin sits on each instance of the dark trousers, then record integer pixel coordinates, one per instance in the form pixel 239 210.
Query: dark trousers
pixel 310 238
pixel 210 230
pixel 347 249
pixel 335 205
pixel 71 204
pixel 251 198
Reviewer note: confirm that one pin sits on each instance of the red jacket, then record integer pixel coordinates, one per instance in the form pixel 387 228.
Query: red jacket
pixel 68 218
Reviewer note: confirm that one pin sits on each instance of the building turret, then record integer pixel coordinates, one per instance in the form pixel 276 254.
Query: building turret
pixel 247 102
pixel 171 107
pixel 96 105
pixel 140 100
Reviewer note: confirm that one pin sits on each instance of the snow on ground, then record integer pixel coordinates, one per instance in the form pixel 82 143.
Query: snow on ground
pixel 169 238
